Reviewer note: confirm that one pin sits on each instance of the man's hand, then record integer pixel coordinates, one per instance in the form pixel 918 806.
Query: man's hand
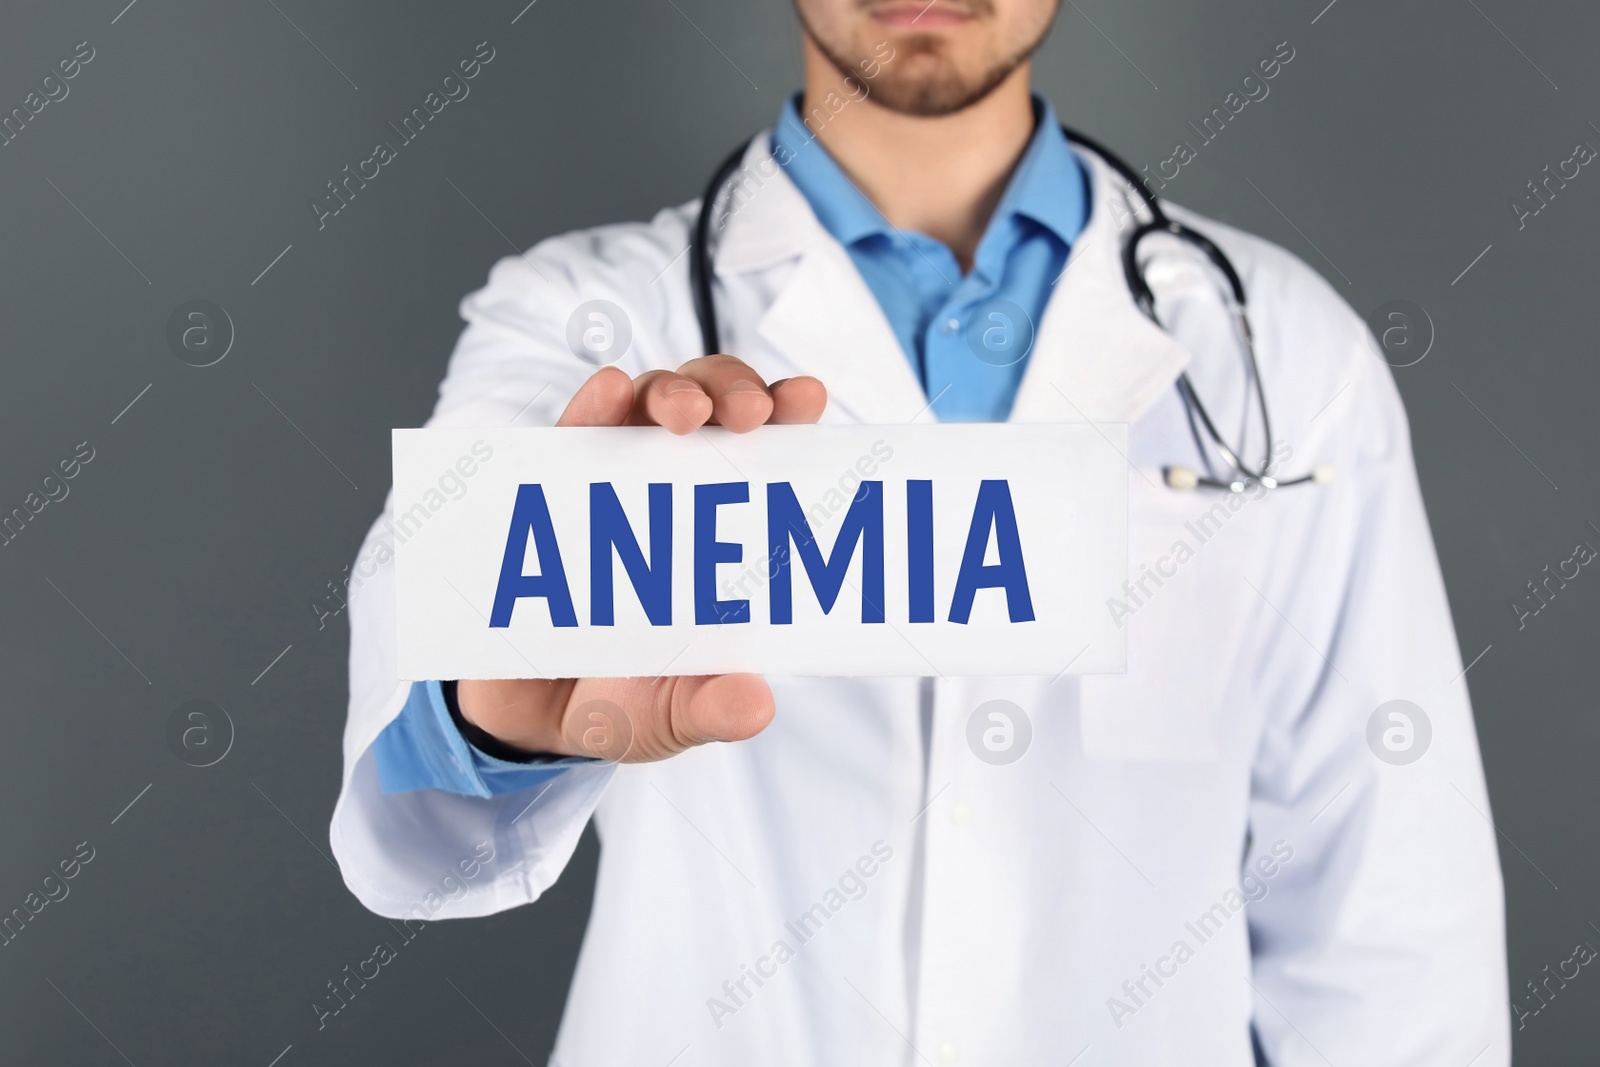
pixel 637 720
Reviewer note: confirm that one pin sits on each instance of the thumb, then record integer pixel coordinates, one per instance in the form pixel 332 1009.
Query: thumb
pixel 722 707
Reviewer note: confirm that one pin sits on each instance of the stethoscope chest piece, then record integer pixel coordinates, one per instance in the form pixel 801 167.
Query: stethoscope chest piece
pixel 1184 478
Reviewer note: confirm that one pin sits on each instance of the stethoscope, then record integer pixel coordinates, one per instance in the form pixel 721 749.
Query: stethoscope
pixel 1237 477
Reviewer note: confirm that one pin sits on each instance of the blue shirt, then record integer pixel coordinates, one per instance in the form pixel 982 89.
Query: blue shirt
pixel 422 749
pixel 967 337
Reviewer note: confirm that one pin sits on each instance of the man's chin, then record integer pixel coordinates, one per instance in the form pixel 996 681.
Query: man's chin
pixel 930 74
pixel 924 100
pixel 934 93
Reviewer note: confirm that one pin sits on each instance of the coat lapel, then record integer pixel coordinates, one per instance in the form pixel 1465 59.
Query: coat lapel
pixel 827 321
pixel 823 319
pixel 1097 358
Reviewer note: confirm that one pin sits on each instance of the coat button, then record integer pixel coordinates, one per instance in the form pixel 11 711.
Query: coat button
pixel 948 1053
pixel 961 815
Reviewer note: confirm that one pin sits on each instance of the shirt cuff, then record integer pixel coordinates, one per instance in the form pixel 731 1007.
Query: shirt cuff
pixel 423 749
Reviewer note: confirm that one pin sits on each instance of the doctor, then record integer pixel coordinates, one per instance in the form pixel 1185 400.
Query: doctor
pixel 1234 853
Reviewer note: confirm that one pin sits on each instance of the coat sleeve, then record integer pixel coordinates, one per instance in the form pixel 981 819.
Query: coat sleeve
pixel 1382 939
pixel 430 853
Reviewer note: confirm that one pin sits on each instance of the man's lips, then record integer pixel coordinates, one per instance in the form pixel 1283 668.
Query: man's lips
pixel 921 16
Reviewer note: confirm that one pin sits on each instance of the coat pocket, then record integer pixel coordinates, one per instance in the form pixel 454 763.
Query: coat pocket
pixel 1185 608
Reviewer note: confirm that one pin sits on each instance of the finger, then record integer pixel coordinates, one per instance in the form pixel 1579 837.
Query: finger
pixel 797 400
pixel 662 398
pixel 739 398
pixel 604 400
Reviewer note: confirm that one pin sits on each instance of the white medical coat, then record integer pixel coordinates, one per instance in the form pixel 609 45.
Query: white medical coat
pixel 855 886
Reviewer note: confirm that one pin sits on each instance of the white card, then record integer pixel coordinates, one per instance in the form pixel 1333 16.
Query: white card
pixel 956 549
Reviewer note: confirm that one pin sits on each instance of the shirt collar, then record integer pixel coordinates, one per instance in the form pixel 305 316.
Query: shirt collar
pixel 1048 186
pixel 844 211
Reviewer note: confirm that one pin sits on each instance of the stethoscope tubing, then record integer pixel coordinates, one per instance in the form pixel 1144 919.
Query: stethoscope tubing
pixel 1242 477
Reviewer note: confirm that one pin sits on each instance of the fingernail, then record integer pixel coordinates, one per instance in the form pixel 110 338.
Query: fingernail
pixel 743 386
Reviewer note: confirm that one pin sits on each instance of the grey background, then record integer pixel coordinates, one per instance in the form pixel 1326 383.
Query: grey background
pixel 191 549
